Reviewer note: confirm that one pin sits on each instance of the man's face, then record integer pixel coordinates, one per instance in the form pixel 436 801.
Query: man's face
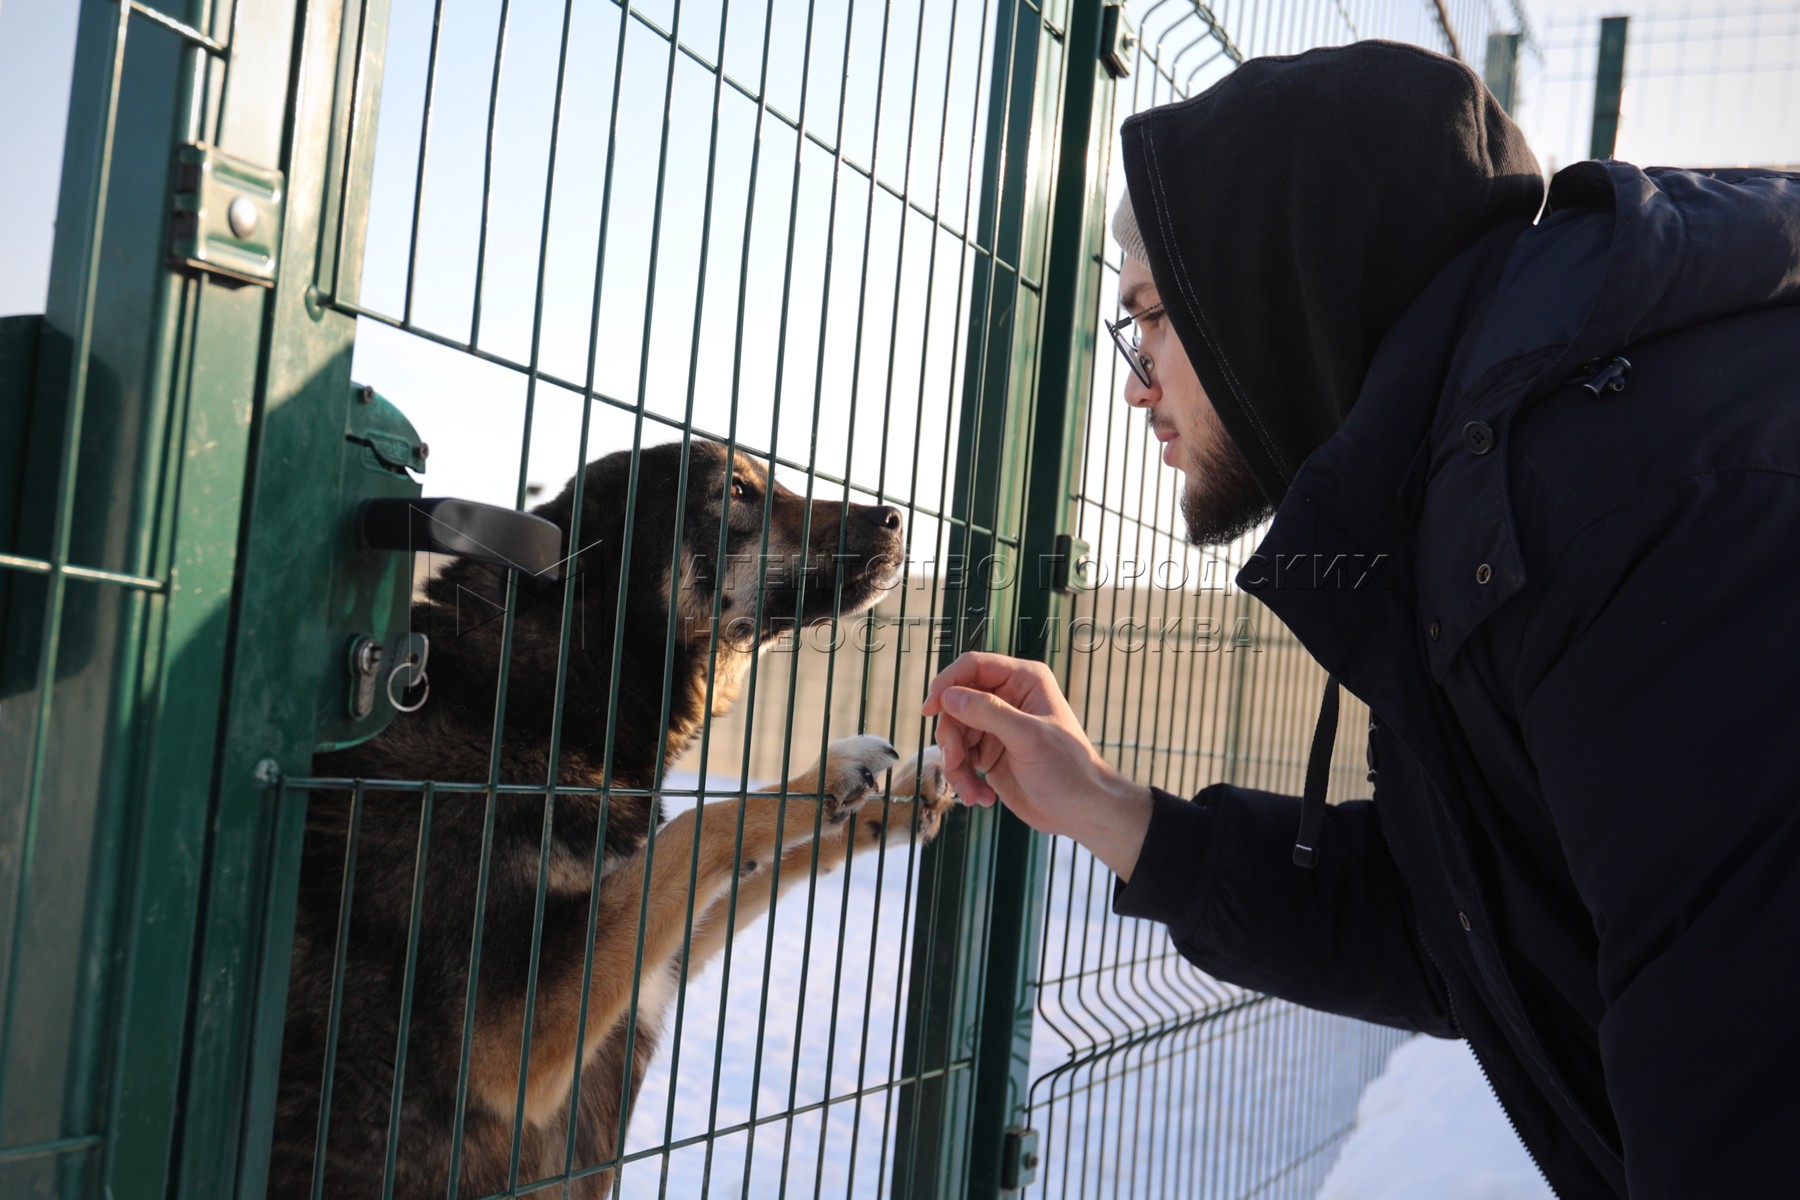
pixel 1220 499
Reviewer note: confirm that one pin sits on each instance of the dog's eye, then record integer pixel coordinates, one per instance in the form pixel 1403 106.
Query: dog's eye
pixel 740 490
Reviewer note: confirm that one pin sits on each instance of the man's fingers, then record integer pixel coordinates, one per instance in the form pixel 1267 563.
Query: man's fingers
pixel 950 739
pixel 986 753
pixel 953 738
pixel 960 673
pixel 982 671
pixel 988 713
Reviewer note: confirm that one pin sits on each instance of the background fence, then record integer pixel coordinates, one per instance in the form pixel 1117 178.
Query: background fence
pixel 1705 84
pixel 863 243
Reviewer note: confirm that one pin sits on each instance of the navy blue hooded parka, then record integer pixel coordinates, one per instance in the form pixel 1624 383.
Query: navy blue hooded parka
pixel 1581 644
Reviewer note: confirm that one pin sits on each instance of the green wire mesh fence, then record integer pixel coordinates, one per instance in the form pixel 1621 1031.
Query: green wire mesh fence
pixel 595 228
pixel 860 246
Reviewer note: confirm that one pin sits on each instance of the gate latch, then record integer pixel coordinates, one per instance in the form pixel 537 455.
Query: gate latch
pixel 1019 1159
pixel 228 215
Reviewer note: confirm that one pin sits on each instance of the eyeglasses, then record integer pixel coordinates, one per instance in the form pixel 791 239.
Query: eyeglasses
pixel 1138 361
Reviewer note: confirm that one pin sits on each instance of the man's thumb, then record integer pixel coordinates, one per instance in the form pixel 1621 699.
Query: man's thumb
pixel 988 713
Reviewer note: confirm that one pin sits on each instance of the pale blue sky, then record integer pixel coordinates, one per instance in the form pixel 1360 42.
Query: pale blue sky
pixel 1747 109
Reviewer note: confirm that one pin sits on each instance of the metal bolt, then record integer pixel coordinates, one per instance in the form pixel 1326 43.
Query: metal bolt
pixel 268 772
pixel 1030 1162
pixel 366 394
pixel 424 450
pixel 242 216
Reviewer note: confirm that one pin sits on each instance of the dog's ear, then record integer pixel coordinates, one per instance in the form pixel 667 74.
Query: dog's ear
pixel 603 503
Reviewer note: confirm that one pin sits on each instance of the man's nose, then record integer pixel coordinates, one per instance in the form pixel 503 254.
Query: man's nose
pixel 1138 394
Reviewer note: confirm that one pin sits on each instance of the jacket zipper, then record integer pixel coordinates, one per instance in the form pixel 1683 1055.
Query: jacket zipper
pixel 1450 998
pixel 1450 1005
pixel 1419 931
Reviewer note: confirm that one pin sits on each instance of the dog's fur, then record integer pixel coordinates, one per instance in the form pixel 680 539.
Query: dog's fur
pixel 450 740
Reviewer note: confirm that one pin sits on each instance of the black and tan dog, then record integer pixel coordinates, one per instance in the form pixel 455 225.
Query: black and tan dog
pixel 428 851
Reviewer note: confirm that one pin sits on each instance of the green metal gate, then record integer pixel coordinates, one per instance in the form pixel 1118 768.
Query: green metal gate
pixel 545 233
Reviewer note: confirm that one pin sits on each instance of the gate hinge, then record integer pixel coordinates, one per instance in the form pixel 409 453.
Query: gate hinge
pixel 1118 41
pixel 228 215
pixel 1019 1161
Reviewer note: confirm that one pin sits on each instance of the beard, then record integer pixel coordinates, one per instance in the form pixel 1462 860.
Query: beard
pixel 1221 500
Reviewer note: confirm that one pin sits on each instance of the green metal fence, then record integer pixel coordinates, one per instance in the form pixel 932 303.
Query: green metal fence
pixel 861 243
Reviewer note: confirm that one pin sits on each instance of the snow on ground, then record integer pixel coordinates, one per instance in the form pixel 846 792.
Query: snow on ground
pixel 1430 1129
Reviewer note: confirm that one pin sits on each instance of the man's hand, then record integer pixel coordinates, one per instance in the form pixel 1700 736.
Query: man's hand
pixel 1008 734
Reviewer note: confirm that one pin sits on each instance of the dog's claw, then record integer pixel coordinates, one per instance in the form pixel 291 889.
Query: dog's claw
pixel 852 772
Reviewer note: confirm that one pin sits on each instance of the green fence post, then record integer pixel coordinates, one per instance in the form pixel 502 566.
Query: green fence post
pixel 971 1005
pixel 956 905
pixel 1042 449
pixel 1609 86
pixel 282 637
pixel 1500 71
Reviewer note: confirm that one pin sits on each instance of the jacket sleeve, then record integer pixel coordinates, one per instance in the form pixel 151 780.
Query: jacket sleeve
pixel 1219 872
pixel 1660 703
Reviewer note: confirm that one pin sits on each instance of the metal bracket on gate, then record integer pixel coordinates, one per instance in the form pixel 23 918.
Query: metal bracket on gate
pixel 1019 1159
pixel 1118 41
pixel 228 215
pixel 1072 568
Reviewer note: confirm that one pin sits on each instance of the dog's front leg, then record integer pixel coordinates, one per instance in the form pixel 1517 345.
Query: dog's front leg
pixel 910 813
pixel 852 767
pixel 915 806
pixel 703 845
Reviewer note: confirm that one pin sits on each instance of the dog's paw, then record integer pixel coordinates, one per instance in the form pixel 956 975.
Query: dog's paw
pixel 922 792
pixel 922 777
pixel 852 771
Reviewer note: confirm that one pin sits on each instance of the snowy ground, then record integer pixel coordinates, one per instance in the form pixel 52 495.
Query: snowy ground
pixel 1430 1129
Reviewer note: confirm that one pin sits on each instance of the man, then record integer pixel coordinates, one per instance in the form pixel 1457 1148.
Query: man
pixel 1572 443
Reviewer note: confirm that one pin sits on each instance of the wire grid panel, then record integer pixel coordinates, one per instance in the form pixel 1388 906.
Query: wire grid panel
pixel 595 229
pixel 1150 1077
pixel 1706 85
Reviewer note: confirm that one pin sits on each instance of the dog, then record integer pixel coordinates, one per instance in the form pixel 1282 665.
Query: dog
pixel 441 1102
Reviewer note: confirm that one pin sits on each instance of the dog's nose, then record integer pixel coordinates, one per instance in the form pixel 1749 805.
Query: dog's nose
pixel 883 516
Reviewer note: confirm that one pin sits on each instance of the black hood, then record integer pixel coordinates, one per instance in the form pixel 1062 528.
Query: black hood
pixel 1294 210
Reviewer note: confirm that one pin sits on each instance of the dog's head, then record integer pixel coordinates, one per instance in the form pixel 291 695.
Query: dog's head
pixel 739 558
